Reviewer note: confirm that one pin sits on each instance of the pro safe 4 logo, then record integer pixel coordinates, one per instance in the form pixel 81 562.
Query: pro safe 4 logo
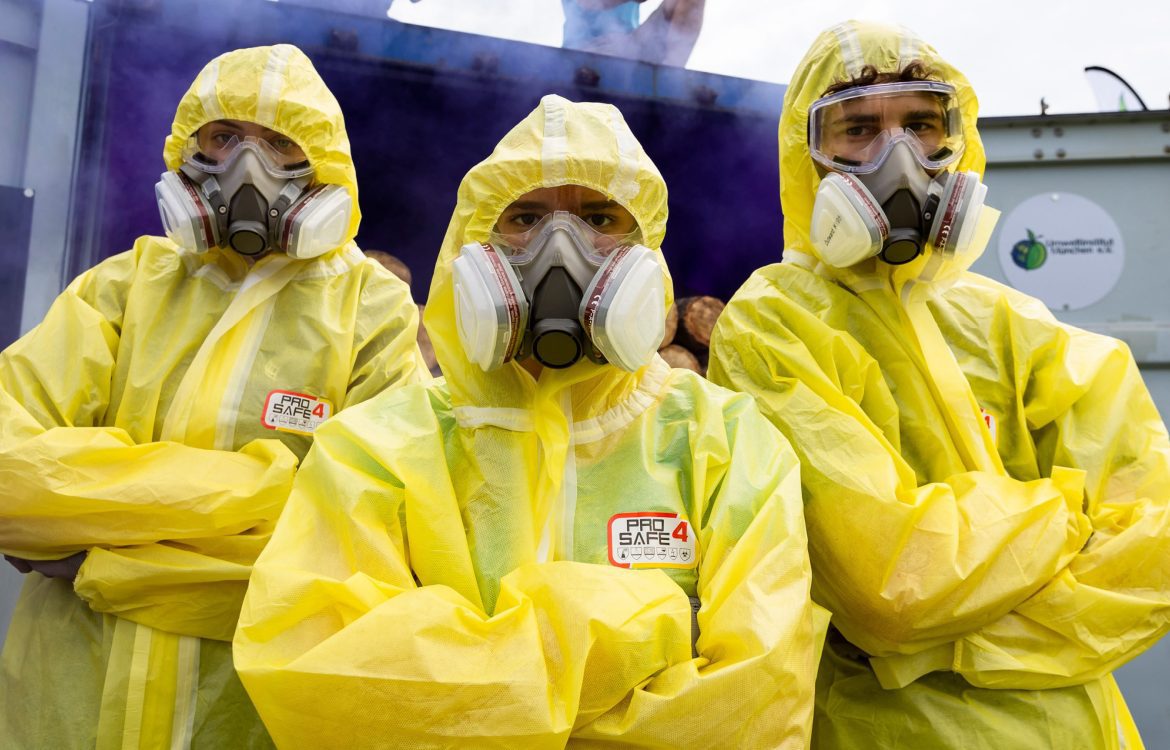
pixel 651 540
pixel 301 413
pixel 1029 254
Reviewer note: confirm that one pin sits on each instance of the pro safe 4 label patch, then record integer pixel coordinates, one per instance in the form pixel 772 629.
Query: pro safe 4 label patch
pixel 651 540
pixel 301 413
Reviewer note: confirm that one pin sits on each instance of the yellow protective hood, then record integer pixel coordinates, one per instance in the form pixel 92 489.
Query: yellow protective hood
pixel 838 54
pixel 279 88
pixel 559 143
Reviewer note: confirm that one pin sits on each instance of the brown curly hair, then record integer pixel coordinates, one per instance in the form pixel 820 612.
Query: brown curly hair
pixel 915 70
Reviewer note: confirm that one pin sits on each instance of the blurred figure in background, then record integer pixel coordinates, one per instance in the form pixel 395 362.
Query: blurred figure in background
pixel 612 27
pixel 396 266
pixel 150 426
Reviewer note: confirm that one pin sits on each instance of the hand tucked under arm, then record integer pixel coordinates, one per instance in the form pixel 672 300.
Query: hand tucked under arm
pixel 65 568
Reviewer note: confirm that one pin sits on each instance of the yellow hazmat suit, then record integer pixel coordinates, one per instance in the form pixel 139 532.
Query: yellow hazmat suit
pixel 986 488
pixel 443 578
pixel 132 425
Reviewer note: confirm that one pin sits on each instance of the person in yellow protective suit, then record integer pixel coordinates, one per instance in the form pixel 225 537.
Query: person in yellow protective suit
pixel 986 488
pixel 504 558
pixel 151 424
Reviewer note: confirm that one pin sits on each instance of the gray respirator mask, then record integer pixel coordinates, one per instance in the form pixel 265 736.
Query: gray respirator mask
pixel 894 211
pixel 566 293
pixel 251 207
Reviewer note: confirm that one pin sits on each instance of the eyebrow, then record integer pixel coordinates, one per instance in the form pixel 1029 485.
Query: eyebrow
pixel 596 205
pixel 232 125
pixel 916 114
pixel 542 205
pixel 857 119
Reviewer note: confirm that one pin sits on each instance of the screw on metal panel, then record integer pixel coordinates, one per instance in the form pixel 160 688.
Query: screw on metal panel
pixel 1058 132
pixel 1060 153
pixel 28 193
pixel 1166 127
pixel 1037 132
pixel 1038 153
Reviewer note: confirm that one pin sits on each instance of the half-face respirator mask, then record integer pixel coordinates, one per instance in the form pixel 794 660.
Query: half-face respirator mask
pixel 251 201
pixel 885 148
pixel 559 292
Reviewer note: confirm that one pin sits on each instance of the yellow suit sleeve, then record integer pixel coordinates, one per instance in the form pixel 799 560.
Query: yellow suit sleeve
pixel 196 586
pixel 760 633
pixel 338 645
pixel 71 484
pixel 193 587
pixel 1113 599
pixel 73 488
pixel 904 566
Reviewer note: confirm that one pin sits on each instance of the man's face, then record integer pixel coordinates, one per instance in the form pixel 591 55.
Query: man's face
pixel 599 212
pixel 216 140
pixel 850 130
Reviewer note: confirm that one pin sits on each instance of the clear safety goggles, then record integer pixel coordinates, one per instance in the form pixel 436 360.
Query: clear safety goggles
pixel 592 244
pixel 854 130
pixel 289 162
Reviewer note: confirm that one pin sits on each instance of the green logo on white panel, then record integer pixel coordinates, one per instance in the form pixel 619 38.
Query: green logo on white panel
pixel 1062 248
pixel 1029 254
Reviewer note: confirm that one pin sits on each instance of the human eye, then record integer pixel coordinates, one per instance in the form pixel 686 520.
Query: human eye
pixel 599 221
pixel 215 143
pixel 282 144
pixel 921 126
pixel 858 127
pixel 923 121
pixel 518 221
